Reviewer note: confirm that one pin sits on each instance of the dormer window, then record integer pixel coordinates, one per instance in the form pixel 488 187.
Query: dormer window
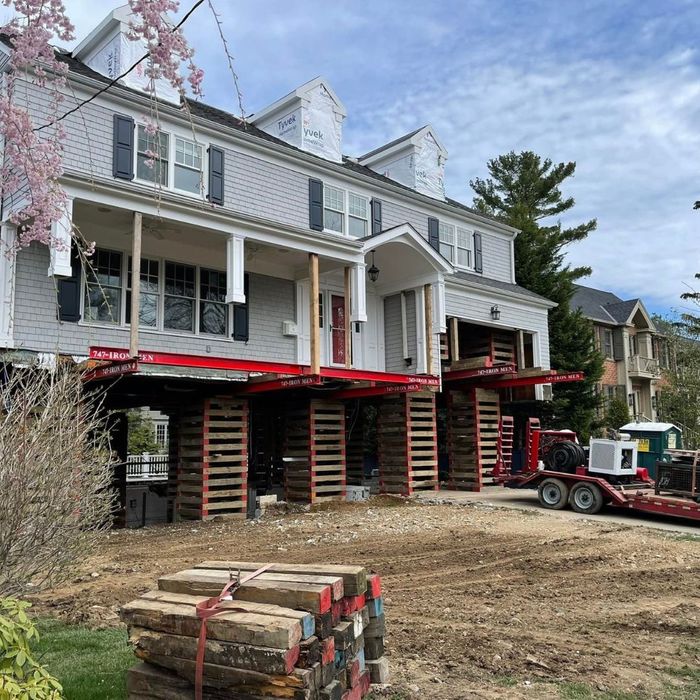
pixel 333 209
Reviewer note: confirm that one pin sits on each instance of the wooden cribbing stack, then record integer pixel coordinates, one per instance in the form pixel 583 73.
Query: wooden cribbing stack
pixel 295 631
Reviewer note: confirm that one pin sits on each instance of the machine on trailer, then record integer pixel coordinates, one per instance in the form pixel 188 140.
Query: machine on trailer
pixel 558 467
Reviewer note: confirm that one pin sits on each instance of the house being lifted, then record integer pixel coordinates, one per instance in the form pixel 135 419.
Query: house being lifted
pixel 281 288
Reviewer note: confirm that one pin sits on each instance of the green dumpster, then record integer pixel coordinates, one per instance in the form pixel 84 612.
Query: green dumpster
pixel 654 439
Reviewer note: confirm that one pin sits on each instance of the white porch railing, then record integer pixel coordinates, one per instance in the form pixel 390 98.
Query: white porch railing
pixel 644 366
pixel 146 467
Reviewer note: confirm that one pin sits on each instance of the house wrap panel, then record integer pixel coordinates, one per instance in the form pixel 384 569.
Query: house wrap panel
pixel 36 328
pixel 474 306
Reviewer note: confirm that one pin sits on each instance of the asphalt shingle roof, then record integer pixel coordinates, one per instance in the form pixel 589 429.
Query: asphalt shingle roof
pixel 602 306
pixel 497 284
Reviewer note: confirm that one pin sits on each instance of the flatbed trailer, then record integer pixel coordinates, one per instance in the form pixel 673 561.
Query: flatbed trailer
pixel 556 490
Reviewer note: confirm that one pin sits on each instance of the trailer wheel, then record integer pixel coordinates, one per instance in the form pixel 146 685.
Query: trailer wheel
pixel 586 498
pixel 553 493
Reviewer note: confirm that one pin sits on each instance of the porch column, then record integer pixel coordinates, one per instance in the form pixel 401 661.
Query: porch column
pixel 235 270
pixel 135 286
pixel 358 288
pixel 8 237
pixel 315 331
pixel 428 301
pixel 60 244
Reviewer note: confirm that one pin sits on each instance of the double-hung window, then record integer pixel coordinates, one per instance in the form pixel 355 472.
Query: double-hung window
pixel 179 298
pixel 213 310
pixel 188 166
pixel 464 253
pixel 358 215
pixel 149 297
pixel 608 349
pixel 334 209
pixel 447 241
pixel 103 291
pixel 152 157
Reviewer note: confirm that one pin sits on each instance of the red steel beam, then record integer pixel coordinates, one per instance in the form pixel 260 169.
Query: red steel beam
pixel 283 383
pixel 199 361
pixel 552 378
pixel 116 369
pixel 478 372
pixel 364 391
pixel 360 375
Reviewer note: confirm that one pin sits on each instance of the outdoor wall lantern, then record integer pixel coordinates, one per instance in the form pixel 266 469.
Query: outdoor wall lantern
pixel 495 312
pixel 373 271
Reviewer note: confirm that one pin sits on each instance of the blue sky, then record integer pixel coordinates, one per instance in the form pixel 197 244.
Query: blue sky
pixel 614 86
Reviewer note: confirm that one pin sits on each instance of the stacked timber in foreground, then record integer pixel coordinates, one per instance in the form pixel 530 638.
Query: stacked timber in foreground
pixel 295 631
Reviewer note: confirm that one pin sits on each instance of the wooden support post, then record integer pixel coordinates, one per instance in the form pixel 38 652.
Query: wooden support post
pixel 454 340
pixel 135 285
pixel 428 297
pixel 315 334
pixel 348 324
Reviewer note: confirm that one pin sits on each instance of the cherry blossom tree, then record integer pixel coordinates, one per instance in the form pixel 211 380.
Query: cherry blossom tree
pixel 32 166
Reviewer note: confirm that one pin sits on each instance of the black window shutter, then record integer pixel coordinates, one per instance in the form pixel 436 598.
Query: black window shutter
pixel 434 233
pixel 315 204
pixel 123 148
pixel 69 291
pixel 376 207
pixel 478 257
pixel 216 175
pixel 241 315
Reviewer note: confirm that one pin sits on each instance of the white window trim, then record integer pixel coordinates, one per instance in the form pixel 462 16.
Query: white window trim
pixel 174 134
pixel 347 192
pixel 469 248
pixel 160 327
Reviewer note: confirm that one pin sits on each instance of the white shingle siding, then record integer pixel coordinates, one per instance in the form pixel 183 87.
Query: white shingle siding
pixel 36 327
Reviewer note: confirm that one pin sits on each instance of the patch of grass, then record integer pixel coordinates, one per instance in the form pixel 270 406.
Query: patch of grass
pixel 89 663
pixel 505 681
pixel 582 691
pixel 686 537
pixel 689 678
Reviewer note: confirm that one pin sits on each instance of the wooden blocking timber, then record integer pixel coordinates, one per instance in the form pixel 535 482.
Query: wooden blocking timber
pixel 407 440
pixel 355 578
pixel 333 691
pixel 212 475
pixel 378 670
pixel 376 627
pixel 374 648
pixel 248 657
pixel 209 582
pixel 315 450
pixel 472 436
pixel 236 627
pixel 375 607
pixel 374 586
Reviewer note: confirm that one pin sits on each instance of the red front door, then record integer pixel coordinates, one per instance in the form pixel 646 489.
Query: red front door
pixel 338 329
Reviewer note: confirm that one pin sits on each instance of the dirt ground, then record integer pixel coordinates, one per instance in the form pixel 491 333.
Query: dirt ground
pixel 481 602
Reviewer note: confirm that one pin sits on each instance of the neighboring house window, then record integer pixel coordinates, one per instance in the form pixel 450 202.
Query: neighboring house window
pixel 633 345
pixel 607 348
pixel 188 166
pixel 180 294
pixel 149 297
pixel 358 211
pixel 103 292
pixel 152 156
pixel 610 393
pixel 464 253
pixel 333 208
pixel 213 310
pixel 162 435
pixel 447 241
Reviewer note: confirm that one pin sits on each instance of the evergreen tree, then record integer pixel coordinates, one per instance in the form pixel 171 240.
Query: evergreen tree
pixel 524 191
pixel 142 434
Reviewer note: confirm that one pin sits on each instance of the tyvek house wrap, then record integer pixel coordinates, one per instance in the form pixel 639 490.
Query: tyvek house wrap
pixel 430 169
pixel 118 55
pixel 321 130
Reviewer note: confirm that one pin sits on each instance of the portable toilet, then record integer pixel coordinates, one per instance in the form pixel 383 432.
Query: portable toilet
pixel 654 439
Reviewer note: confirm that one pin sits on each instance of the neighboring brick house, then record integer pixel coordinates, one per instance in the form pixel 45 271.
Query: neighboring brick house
pixel 269 262
pixel 635 353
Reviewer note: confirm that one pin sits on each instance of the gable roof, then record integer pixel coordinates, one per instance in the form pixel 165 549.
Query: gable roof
pixel 606 307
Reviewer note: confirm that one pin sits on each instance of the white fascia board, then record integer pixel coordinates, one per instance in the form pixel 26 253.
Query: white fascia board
pixel 111 23
pixel 127 100
pixel 284 103
pixel 182 209
pixel 405 144
pixel 405 233
pixel 454 284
